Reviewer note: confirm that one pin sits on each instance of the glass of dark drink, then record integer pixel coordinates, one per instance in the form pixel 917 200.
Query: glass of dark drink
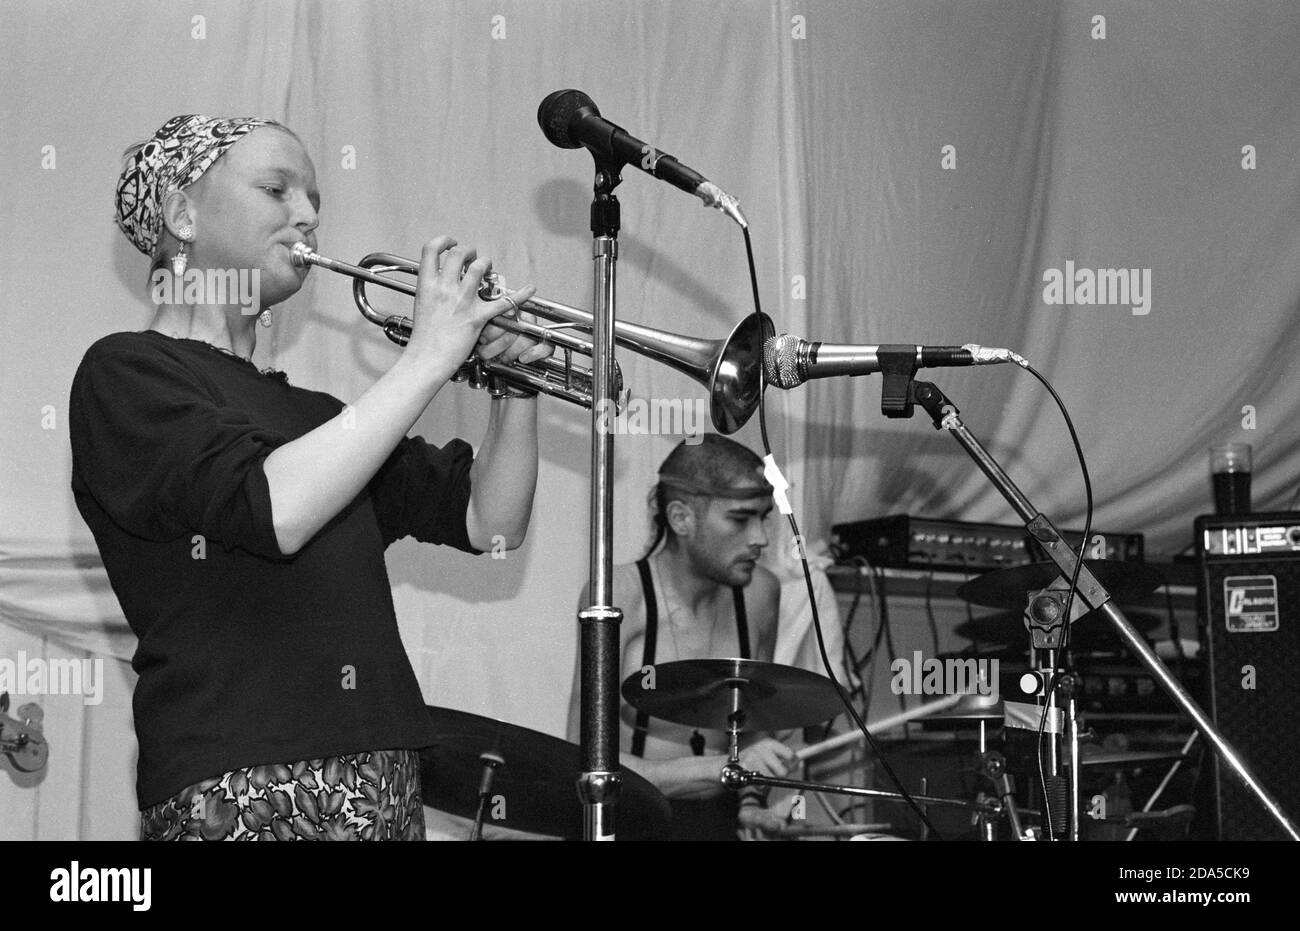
pixel 1230 471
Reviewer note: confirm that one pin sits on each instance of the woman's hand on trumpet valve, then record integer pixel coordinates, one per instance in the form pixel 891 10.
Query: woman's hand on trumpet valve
pixel 505 346
pixel 450 318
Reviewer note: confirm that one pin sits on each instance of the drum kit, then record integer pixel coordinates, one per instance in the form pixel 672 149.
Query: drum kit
pixel 511 781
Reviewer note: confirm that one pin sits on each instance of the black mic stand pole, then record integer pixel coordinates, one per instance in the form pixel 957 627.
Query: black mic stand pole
pixel 900 393
pixel 599 782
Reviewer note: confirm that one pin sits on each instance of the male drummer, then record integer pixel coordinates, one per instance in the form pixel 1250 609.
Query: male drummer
pixel 699 595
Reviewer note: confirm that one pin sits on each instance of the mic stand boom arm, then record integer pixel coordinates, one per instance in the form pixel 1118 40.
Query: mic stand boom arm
pixel 945 416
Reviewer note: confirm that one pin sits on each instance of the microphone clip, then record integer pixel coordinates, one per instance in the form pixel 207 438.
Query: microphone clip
pixel 898 365
pixel 606 215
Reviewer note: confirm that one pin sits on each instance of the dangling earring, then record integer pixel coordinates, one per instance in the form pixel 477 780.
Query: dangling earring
pixel 180 259
pixel 264 318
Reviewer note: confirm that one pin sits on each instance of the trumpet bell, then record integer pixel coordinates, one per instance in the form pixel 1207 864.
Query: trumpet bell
pixel 735 377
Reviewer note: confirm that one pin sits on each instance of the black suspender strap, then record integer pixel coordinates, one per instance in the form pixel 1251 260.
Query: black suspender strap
pixel 648 652
pixel 651 635
pixel 742 623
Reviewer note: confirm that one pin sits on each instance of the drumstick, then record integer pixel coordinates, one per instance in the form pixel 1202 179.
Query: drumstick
pixel 882 725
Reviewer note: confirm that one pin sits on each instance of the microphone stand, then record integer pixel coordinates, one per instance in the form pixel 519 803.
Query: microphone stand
pixel 1047 624
pixel 600 781
pixel 899 396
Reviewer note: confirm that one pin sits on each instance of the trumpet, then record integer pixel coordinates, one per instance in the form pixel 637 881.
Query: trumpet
pixel 730 368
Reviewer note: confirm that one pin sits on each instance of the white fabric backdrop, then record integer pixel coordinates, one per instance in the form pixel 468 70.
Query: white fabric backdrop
pixel 827 119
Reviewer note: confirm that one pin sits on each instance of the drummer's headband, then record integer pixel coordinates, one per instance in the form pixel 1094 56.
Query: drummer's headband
pixel 760 490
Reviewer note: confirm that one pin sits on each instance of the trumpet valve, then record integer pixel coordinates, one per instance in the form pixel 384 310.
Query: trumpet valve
pixel 471 374
pixel 491 287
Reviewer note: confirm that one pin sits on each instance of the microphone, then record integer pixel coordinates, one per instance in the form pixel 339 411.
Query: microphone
pixel 569 119
pixel 789 361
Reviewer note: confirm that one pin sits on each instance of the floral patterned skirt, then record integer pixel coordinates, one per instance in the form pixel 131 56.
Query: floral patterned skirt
pixel 374 795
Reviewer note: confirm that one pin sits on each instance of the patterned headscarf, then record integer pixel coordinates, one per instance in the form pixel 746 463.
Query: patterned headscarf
pixel 179 153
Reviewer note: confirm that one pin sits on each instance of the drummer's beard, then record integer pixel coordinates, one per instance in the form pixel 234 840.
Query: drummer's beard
pixel 736 570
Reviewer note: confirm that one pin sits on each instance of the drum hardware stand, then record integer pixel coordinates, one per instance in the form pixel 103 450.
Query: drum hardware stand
pixel 490 763
pixel 599 782
pixel 1187 747
pixel 994 766
pixel 1047 625
pixel 1070 685
pixel 900 393
pixel 925 809
pixel 735 776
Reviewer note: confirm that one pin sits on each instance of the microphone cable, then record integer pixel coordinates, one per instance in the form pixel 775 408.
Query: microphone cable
pixel 803 559
pixel 1069 603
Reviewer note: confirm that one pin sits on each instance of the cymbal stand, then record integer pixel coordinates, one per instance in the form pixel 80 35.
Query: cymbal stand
pixel 994 765
pixel 490 762
pixel 735 725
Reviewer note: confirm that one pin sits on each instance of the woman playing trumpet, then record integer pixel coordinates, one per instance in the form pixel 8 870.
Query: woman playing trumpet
pixel 243 520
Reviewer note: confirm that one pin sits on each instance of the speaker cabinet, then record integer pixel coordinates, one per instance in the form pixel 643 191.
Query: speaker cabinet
pixel 1249 587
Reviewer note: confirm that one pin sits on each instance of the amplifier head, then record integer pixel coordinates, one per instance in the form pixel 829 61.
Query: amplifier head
pixel 1234 535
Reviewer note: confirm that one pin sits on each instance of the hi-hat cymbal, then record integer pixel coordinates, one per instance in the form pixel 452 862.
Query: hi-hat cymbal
pixel 537 782
pixel 1009 587
pixel 699 693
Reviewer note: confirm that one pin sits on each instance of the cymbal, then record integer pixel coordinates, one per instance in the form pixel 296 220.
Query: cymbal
pixel 537 783
pixel 698 693
pixel 1129 759
pixel 1009 587
pixel 1009 628
pixel 970 708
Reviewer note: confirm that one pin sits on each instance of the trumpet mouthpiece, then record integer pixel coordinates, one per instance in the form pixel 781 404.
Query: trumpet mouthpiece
pixel 299 253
